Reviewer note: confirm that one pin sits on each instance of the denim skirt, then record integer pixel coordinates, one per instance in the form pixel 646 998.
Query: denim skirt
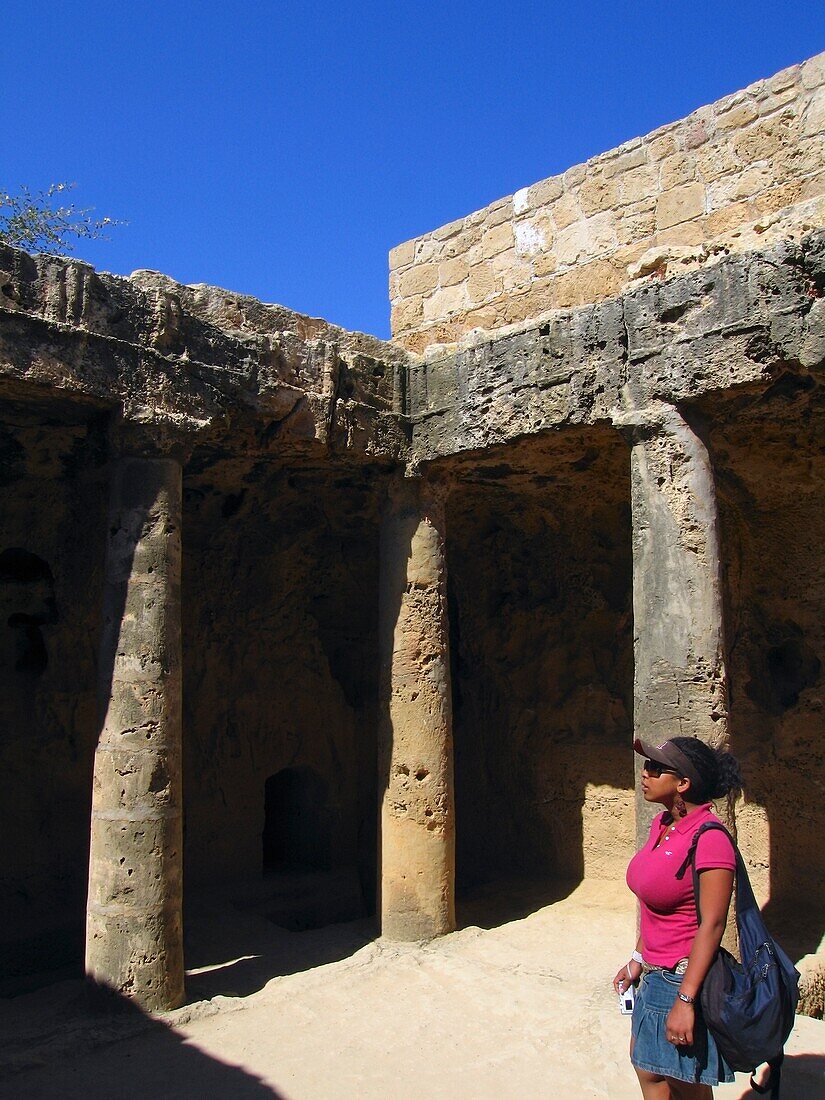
pixel 700 1064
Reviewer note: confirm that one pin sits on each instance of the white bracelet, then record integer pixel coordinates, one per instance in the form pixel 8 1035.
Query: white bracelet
pixel 636 957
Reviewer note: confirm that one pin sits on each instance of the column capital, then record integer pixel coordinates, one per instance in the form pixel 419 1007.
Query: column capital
pixel 423 491
pixel 654 419
pixel 149 439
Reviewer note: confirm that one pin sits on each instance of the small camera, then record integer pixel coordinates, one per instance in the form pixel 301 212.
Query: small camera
pixel 626 1001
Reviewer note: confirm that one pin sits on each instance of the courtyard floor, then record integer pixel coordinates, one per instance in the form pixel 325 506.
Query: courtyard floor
pixel 519 1009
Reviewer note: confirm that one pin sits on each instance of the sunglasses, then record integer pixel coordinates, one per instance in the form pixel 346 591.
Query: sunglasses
pixel 655 769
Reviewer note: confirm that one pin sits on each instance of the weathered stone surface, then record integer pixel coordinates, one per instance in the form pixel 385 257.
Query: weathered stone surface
pixel 680 685
pixel 417 812
pixel 280 605
pixel 596 434
pixel 539 552
pixel 682 204
pixel 769 472
pixel 204 362
pixel 134 937
pixel 52 544
pixel 671 340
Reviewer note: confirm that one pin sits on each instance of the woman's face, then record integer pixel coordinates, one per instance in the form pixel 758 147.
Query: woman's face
pixel 659 784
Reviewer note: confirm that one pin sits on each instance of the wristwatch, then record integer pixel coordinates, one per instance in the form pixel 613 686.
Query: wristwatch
pixel 684 997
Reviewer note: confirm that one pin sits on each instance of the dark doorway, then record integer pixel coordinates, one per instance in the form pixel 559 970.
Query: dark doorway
pixel 296 834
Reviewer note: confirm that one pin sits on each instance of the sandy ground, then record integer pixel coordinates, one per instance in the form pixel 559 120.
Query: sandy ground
pixel 522 1009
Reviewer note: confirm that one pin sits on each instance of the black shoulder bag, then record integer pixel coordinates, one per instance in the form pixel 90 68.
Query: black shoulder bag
pixel 748 1007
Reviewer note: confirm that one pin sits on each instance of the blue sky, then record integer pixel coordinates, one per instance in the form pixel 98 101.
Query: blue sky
pixel 281 149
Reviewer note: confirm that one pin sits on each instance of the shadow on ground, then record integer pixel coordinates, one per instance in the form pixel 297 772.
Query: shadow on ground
pixel 233 952
pixel 133 1056
pixel 803 1078
pixel 229 953
pixel 492 904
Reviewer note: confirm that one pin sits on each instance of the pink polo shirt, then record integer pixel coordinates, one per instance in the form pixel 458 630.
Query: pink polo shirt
pixel 668 912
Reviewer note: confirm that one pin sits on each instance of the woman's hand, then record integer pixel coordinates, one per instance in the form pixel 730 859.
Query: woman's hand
pixel 622 981
pixel 679 1024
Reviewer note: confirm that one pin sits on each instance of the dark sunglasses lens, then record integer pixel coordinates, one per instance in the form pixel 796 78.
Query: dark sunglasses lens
pixel 653 769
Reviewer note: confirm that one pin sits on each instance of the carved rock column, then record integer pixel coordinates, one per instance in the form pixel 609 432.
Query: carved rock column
pixel 134 929
pixel 680 684
pixel 418 812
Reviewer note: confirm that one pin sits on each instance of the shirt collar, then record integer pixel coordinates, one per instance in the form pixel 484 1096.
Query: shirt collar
pixel 686 824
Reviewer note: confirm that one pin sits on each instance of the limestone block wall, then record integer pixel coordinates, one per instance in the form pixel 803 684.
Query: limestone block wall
pixel 732 176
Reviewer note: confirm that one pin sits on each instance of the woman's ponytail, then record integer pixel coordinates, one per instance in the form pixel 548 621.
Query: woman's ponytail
pixel 718 769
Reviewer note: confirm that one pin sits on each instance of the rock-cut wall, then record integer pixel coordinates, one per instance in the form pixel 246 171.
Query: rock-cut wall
pixel 266 583
pixel 269 438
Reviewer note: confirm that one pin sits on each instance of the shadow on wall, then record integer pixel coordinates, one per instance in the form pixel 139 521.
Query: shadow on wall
pixel 113 1049
pixel 297 821
pixel 280 653
pixel 539 573
pixel 52 473
pixel 770 472
pixel 27 603
pixel 27 607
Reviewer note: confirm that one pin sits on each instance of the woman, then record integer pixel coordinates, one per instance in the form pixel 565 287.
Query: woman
pixel 674 1056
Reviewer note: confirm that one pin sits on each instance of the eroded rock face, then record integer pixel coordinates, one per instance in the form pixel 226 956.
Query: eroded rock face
pixel 745 322
pixel 629 504
pixel 52 541
pixel 200 362
pixel 283 432
pixel 767 450
pixel 134 932
pixel 680 678
pixel 280 607
pixel 540 580
pixel 715 380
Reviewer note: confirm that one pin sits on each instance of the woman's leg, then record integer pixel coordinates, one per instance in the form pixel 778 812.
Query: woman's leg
pixel 681 1090
pixel 653 1086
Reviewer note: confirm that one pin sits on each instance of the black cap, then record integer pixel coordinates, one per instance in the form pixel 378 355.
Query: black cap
pixel 670 756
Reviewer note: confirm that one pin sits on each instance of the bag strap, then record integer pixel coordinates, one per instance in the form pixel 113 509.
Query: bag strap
pixel 774 1079
pixel 745 898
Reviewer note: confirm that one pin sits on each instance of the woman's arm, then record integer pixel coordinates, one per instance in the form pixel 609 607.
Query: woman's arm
pixel 715 890
pixel 632 968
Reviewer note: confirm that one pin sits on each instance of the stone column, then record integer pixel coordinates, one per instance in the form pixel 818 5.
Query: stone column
pixel 417 812
pixel 134 929
pixel 680 681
